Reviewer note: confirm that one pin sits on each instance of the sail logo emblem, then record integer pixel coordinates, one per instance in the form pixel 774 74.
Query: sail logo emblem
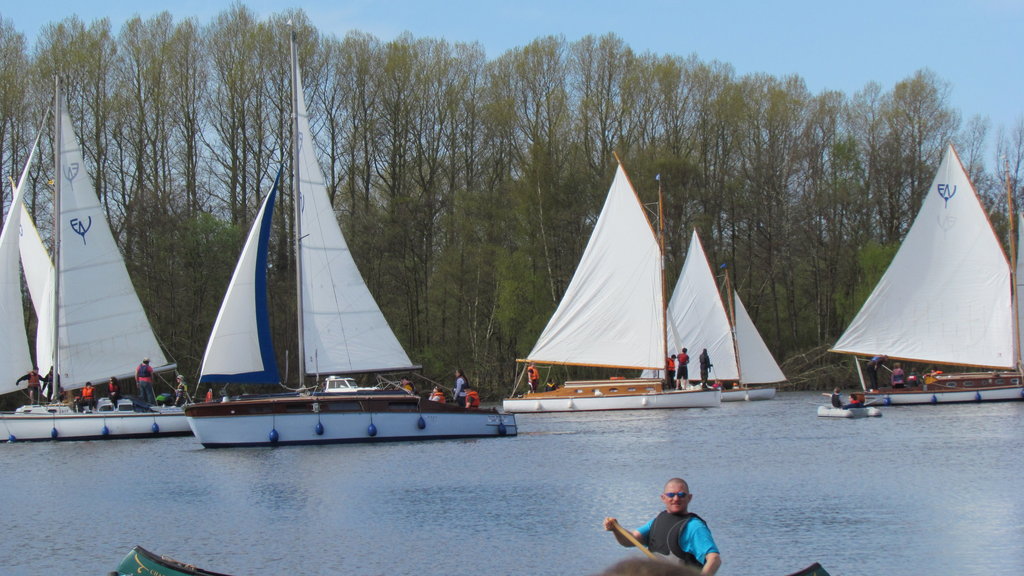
pixel 81 228
pixel 70 173
pixel 946 192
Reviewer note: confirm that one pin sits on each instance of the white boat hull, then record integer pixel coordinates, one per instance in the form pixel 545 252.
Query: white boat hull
pixel 939 396
pixel 832 412
pixel 347 427
pixel 39 424
pixel 748 394
pixel 643 401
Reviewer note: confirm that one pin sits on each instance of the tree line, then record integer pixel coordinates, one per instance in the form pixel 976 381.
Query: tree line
pixel 467 187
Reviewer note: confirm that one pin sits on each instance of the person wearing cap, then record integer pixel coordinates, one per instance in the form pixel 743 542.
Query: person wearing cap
pixel 144 376
pixel 179 392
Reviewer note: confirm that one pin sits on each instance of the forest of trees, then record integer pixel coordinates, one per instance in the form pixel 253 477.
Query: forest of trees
pixel 467 186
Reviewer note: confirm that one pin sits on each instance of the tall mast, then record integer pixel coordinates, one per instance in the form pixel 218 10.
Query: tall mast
pixel 297 203
pixel 730 303
pixel 58 175
pixel 1014 293
pixel 661 248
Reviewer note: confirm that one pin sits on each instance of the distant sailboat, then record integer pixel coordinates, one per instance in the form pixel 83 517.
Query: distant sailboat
pixel 612 315
pixel 342 332
pixel 101 329
pixel 698 320
pixel 946 299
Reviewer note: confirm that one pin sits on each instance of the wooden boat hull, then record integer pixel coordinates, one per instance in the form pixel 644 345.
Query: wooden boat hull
pixel 640 394
pixel 954 389
pixel 58 422
pixel 748 394
pixel 142 561
pixel 832 412
pixel 339 419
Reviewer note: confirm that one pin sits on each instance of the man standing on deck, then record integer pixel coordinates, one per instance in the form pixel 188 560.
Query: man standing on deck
pixel 144 376
pixel 676 531
pixel 682 370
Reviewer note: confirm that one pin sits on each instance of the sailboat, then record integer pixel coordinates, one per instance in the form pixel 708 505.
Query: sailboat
pixel 91 313
pixel 946 299
pixel 342 332
pixel 698 320
pixel 613 316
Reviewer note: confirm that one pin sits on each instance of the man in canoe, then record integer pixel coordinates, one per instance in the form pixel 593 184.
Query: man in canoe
pixel 676 531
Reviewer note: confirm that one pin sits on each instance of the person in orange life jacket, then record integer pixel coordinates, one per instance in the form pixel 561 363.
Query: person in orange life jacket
pixel 532 377
pixel 856 400
pixel 144 376
pixel 682 369
pixel 88 398
pixel 436 395
pixel 670 371
pixel 33 379
pixel 472 398
pixel 459 393
pixel 677 531
pixel 113 391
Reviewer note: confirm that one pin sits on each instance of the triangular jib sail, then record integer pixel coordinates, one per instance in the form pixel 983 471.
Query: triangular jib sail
pixel 611 313
pixel 946 296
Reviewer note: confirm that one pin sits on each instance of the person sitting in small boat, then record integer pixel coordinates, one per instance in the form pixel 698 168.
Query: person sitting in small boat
pixel 898 377
pixel 472 398
pixel 836 397
pixel 856 401
pixel 437 395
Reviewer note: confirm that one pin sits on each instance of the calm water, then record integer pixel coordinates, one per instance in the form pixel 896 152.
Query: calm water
pixel 922 490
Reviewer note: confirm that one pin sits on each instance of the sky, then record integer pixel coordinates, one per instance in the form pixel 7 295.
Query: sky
pixel 974 45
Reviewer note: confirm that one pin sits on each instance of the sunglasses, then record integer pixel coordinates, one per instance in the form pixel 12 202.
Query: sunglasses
pixel 671 495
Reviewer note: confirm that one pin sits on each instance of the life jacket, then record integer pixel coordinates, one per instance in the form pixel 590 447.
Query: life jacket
pixel 664 536
pixel 683 359
pixel 112 388
pixel 533 374
pixel 144 372
pixel 670 363
pixel 87 393
pixel 437 397
pixel 472 399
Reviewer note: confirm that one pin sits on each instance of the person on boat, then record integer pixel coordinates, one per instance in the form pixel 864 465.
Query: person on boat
pixel 436 395
pixel 472 398
pixel 113 391
pixel 406 385
pixel 459 393
pixel 550 386
pixel 836 397
pixel 533 377
pixel 670 372
pixel 676 531
pixel 180 391
pixel 32 380
pixel 144 376
pixel 873 365
pixel 899 377
pixel 209 394
pixel 88 398
pixel 705 367
pixel 682 369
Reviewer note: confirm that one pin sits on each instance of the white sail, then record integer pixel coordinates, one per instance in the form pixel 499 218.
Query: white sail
pixel 757 365
pixel 38 268
pixel 15 360
pixel 103 330
pixel 946 296
pixel 240 347
pixel 611 313
pixel 1020 286
pixel 697 317
pixel 344 329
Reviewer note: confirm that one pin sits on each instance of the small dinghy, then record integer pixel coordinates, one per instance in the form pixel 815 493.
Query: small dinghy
pixel 142 561
pixel 832 412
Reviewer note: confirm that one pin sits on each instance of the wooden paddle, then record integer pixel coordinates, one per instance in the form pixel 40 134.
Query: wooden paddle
pixel 629 536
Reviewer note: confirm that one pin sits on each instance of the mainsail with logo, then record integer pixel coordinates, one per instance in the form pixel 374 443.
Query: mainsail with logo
pixel 946 296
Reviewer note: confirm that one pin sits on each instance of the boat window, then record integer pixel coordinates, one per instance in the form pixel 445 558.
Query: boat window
pixel 258 410
pixel 631 389
pixel 350 406
pixel 613 390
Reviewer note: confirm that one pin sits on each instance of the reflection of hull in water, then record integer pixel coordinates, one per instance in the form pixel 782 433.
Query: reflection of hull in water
pixel 747 394
pixel 833 412
pixel 59 422
pixel 379 416
pixel 955 388
pixel 584 396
